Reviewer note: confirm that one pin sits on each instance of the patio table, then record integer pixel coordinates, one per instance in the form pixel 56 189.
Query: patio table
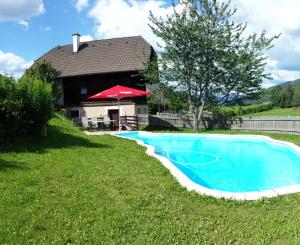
pixel 102 123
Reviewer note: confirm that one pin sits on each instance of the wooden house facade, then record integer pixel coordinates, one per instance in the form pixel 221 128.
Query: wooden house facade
pixel 87 68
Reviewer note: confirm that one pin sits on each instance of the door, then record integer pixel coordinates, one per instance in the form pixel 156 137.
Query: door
pixel 114 115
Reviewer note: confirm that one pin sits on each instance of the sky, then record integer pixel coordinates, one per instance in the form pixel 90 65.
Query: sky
pixel 30 28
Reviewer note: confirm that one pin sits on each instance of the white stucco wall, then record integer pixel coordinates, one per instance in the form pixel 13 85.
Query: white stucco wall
pixel 99 110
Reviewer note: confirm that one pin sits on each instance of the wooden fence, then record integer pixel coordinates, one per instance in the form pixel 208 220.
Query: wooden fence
pixel 285 124
pixel 131 121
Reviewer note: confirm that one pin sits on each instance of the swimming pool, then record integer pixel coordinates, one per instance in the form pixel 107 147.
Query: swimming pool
pixel 242 167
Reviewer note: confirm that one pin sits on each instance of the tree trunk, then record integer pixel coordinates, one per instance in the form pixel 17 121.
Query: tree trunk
pixel 197 116
pixel 201 110
pixel 200 115
pixel 195 120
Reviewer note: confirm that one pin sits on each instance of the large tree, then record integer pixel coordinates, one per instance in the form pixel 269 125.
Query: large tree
pixel 208 56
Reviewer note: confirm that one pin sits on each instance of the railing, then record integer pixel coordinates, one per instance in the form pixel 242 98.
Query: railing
pixel 131 121
pixel 283 124
pixel 165 121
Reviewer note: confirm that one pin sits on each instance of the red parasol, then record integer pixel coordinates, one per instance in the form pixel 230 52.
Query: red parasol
pixel 119 92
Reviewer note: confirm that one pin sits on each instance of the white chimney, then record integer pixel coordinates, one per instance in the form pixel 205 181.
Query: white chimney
pixel 76 42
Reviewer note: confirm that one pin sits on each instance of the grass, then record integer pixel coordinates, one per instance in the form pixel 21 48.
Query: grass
pixel 294 111
pixel 73 188
pixel 264 109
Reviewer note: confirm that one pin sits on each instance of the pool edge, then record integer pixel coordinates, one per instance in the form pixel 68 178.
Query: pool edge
pixel 192 186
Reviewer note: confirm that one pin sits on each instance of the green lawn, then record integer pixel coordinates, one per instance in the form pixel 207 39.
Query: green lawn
pixel 73 188
pixel 295 111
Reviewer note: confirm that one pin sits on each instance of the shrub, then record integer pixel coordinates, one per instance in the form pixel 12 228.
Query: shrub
pixel 43 70
pixel 37 104
pixel 231 112
pixel 255 108
pixel 25 106
pixel 10 107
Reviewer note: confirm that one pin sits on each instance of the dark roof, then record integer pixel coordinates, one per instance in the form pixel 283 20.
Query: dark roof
pixel 101 56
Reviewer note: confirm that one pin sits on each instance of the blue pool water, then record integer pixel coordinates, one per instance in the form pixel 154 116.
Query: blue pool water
pixel 228 163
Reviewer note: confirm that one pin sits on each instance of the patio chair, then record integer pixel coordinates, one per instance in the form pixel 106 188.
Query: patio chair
pixel 107 123
pixel 100 123
pixel 84 123
pixel 92 123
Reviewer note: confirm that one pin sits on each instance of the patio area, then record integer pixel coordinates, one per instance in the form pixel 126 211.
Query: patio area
pixel 105 132
pixel 103 124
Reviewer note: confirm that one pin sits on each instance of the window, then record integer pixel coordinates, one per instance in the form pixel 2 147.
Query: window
pixel 83 90
pixel 139 110
pixel 74 113
pixel 145 110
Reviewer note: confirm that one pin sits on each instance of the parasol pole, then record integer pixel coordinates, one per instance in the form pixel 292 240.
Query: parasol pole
pixel 119 114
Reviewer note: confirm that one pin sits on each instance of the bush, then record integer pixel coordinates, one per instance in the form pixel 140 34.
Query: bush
pixel 44 70
pixel 255 108
pixel 25 106
pixel 231 112
pixel 10 107
pixel 37 104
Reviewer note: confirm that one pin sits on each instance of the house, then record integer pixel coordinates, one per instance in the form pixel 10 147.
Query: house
pixel 87 68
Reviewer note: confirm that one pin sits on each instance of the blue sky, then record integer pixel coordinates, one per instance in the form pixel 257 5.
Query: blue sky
pixel 55 26
pixel 30 28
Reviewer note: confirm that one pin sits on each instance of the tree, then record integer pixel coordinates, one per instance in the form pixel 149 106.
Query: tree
pixel 287 95
pixel 296 97
pixel 275 95
pixel 150 74
pixel 208 56
pixel 177 100
pixel 44 71
pixel 37 104
pixel 10 108
pixel 25 107
pixel 153 104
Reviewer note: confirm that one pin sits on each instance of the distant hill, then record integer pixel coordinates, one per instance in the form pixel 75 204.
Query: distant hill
pixel 265 98
pixel 244 99
pixel 285 84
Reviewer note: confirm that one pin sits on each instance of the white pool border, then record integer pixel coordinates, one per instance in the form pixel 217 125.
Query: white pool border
pixel 192 186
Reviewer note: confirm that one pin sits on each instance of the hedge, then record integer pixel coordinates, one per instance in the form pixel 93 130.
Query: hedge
pixel 25 106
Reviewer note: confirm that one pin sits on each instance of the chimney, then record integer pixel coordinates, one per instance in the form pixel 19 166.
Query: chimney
pixel 76 42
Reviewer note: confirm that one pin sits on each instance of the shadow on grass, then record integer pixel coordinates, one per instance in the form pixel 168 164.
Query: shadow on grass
pixel 57 138
pixel 5 166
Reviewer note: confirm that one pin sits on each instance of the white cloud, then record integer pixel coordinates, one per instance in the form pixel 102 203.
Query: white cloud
pixel 46 28
pixel 117 18
pixel 280 16
pixel 24 23
pixel 280 75
pixel 86 38
pixel 274 16
pixel 17 10
pixel 268 84
pixel 81 4
pixel 12 64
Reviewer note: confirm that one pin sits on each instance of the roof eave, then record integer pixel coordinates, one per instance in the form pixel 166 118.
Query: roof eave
pixel 99 73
